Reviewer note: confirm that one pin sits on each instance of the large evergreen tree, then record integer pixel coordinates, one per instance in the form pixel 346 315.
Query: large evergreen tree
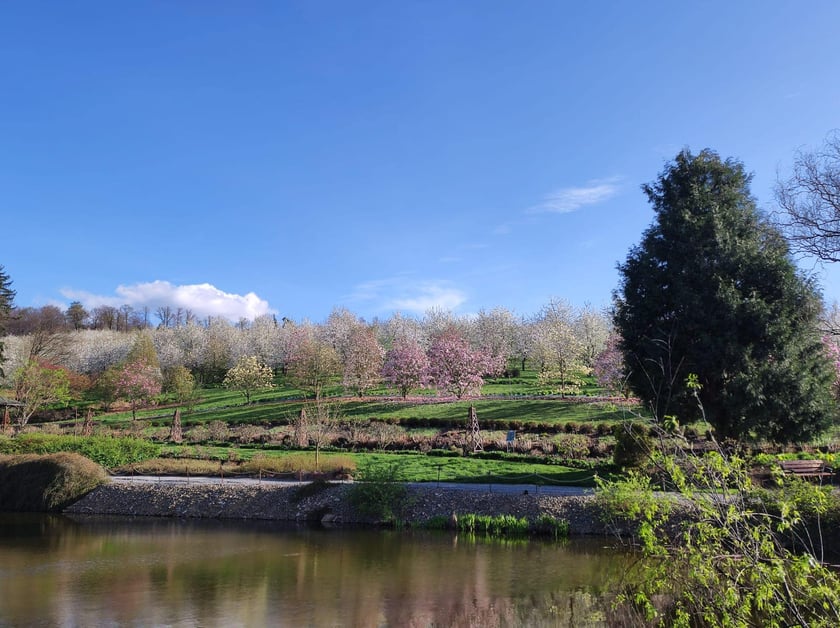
pixel 7 297
pixel 711 290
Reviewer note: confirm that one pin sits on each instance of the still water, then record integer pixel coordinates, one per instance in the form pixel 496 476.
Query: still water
pixel 56 571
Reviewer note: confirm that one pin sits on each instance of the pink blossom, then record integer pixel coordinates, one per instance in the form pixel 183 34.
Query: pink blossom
pixel 406 366
pixel 457 368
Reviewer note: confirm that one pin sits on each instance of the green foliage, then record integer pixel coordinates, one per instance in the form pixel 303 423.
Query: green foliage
pixel 143 350
pixel 712 290
pixel 38 385
pixel 633 445
pixel 109 452
pixel 180 383
pixel 492 525
pixel 380 496
pixel 726 559
pixel 549 526
pixel 46 483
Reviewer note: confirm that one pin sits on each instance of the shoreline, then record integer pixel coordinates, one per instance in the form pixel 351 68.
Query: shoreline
pixel 279 502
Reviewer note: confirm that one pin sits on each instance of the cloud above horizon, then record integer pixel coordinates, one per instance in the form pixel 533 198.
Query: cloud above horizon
pixel 403 294
pixel 571 199
pixel 202 299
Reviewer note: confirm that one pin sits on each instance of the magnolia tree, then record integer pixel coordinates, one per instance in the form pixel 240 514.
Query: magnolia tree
pixel 832 348
pixel 248 376
pixel 592 329
pixel 609 368
pixel 264 339
pixel 496 332
pixel 457 368
pixel 137 382
pixel 362 361
pixel 398 328
pixel 406 366
pixel 559 347
pixel 339 329
pixel 313 363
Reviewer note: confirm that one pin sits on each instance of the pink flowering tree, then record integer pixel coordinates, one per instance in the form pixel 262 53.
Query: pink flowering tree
pixel 832 348
pixel 406 366
pixel 609 368
pixel 137 381
pixel 457 368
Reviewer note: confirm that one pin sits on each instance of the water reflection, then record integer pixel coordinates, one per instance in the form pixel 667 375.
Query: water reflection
pixel 91 571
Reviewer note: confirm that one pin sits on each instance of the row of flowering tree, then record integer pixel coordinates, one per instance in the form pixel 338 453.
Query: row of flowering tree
pixel 450 364
pixel 211 347
pixel 560 342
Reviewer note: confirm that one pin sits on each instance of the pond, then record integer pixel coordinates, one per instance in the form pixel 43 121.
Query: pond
pixel 60 571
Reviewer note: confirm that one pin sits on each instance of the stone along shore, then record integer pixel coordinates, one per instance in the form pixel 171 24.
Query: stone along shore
pixel 279 501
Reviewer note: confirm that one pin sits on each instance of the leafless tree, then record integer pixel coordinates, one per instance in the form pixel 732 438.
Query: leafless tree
pixel 810 201
pixel 105 317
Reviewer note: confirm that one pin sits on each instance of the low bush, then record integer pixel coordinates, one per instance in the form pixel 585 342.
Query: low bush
pixel 381 497
pixel 37 483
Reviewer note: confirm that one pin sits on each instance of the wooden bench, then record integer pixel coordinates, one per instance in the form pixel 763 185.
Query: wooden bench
pixel 807 468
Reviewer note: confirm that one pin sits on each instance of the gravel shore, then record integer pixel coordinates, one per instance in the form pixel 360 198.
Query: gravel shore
pixel 278 501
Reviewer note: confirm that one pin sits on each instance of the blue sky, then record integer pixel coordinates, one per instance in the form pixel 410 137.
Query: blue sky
pixel 245 157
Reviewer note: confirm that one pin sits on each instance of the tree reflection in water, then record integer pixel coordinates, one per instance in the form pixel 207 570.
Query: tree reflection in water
pixel 95 571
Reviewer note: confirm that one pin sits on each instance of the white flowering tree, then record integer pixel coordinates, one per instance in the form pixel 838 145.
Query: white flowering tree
pixel 559 347
pixel 313 363
pixel 363 361
pixel 248 376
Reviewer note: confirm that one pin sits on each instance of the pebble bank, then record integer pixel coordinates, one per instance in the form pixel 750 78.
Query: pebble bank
pixel 278 501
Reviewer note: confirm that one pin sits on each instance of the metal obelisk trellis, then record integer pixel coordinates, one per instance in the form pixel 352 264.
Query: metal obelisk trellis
pixel 474 432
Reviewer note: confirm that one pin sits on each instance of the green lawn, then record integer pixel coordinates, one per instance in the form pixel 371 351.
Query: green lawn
pixel 419 467
pixel 279 407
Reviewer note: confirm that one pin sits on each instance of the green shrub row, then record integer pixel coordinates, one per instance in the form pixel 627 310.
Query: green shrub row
pixel 107 451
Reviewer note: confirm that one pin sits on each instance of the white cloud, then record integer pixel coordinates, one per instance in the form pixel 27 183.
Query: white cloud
pixel 404 294
pixel 570 199
pixel 203 299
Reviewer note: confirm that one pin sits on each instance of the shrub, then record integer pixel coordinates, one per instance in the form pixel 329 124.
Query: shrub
pixel 46 483
pixel 249 434
pixel 380 497
pixel 218 431
pixel 633 445
pixel 198 434
pixel 572 446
